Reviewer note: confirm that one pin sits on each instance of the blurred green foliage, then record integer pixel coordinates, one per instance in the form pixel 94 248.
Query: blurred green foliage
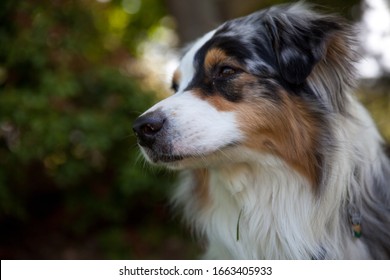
pixel 67 152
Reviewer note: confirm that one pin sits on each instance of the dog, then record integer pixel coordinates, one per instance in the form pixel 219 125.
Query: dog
pixel 278 158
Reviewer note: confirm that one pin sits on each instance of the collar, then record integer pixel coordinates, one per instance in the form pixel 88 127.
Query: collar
pixel 355 218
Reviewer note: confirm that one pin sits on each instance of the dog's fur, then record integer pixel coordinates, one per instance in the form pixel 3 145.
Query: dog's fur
pixel 279 159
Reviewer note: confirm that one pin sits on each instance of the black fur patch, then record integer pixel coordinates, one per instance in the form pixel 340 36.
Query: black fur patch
pixel 272 46
pixel 210 82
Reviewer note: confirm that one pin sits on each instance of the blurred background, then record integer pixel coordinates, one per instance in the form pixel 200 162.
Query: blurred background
pixel 73 77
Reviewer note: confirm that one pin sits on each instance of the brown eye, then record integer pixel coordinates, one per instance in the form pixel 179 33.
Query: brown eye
pixel 226 71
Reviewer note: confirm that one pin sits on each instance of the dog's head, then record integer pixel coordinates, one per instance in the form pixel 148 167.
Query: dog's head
pixel 261 84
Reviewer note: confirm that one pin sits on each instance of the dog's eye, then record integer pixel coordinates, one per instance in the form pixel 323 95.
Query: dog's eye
pixel 226 71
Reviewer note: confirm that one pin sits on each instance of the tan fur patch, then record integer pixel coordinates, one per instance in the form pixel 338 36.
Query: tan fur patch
pixel 214 57
pixel 286 129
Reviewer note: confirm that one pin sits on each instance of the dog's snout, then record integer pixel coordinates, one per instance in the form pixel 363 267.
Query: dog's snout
pixel 146 127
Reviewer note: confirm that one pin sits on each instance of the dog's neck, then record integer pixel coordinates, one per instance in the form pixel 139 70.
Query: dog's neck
pixel 263 205
pixel 262 211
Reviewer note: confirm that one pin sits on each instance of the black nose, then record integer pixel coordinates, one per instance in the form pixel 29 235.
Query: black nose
pixel 147 126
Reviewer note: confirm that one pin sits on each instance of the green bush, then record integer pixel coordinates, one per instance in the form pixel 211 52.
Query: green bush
pixel 66 110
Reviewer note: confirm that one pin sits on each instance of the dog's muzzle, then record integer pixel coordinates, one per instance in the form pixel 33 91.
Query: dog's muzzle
pixel 148 127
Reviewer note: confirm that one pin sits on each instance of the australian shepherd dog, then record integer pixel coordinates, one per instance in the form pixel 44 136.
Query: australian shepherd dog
pixel 279 160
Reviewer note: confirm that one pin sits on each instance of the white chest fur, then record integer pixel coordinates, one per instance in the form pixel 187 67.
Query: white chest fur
pixel 264 212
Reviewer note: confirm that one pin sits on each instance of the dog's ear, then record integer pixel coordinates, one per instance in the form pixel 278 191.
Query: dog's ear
pixel 299 42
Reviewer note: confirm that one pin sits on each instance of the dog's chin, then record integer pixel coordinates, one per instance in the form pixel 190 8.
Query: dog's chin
pixel 174 161
pixel 183 161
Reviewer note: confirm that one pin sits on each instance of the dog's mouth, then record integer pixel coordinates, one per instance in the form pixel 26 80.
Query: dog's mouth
pixel 168 158
pixel 162 158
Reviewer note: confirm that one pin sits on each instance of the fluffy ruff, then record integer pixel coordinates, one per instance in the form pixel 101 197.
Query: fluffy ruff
pixel 278 158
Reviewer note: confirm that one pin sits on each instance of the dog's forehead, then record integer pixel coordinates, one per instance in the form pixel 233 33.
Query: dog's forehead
pixel 187 68
pixel 243 38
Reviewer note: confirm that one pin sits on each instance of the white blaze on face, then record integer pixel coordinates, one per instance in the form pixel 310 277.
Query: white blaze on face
pixel 186 67
pixel 194 126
